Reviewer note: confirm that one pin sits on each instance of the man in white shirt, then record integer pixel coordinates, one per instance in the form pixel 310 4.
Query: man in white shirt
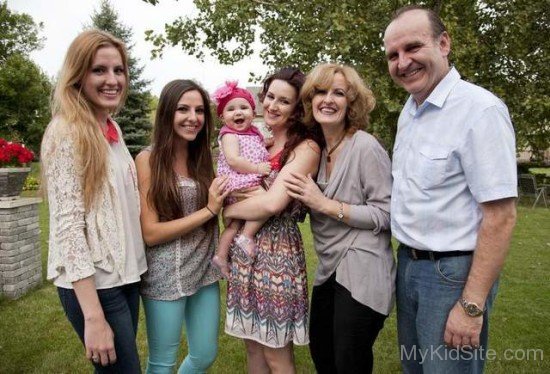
pixel 453 199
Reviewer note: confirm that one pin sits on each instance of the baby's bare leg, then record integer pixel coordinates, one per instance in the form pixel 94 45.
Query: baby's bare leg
pixel 250 228
pixel 220 259
pixel 227 237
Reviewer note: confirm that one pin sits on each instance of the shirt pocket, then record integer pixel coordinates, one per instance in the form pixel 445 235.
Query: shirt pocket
pixel 431 166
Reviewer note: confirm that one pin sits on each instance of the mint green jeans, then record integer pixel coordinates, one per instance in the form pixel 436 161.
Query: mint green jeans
pixel 200 313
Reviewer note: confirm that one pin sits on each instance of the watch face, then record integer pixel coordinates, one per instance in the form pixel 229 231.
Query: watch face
pixel 473 310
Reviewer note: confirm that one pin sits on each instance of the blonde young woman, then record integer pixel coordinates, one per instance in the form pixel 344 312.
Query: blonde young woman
pixel 96 251
pixel 350 219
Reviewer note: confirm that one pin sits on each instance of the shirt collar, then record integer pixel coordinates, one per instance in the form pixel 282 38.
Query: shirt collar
pixel 443 88
pixel 110 132
pixel 439 93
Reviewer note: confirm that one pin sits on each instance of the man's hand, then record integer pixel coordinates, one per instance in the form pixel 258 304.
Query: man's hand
pixel 462 330
pixel 493 240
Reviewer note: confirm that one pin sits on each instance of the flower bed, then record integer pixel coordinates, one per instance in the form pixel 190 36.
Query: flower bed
pixel 13 159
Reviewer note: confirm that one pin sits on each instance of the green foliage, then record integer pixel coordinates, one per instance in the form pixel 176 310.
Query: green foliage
pixel 19 33
pixel 500 45
pixel 24 101
pixel 24 88
pixel 134 118
pixel 31 184
pixel 153 105
pixel 511 58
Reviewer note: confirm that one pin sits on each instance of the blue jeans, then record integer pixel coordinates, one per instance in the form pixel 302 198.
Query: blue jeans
pixel 121 308
pixel 426 292
pixel 201 314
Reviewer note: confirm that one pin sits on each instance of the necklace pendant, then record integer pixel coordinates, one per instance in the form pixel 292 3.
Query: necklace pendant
pixel 334 148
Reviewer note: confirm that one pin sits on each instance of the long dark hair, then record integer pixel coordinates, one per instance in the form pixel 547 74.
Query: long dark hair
pixel 296 132
pixel 163 194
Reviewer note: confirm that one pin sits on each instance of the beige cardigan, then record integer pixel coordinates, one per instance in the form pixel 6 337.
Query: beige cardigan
pixel 360 252
pixel 80 242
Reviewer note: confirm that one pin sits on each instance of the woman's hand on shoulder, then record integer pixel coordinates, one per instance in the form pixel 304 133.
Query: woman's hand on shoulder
pixel 303 188
pixel 217 192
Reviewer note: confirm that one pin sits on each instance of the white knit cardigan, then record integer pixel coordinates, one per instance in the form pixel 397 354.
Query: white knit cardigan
pixel 80 241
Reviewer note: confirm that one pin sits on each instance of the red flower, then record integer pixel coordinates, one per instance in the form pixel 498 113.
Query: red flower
pixel 14 154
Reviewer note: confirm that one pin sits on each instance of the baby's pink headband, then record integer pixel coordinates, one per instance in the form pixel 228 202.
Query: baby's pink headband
pixel 228 92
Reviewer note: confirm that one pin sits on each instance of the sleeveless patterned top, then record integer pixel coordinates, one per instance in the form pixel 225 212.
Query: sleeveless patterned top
pixel 182 266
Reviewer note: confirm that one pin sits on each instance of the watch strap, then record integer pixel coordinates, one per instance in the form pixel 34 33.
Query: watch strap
pixel 340 215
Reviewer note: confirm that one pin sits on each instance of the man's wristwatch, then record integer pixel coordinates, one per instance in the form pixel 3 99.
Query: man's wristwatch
pixel 340 214
pixel 471 309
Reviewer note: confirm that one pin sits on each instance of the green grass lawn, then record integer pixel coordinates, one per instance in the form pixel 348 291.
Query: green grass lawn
pixel 35 336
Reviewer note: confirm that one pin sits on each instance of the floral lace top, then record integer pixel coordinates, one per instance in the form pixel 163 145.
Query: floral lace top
pixel 182 266
pixel 81 242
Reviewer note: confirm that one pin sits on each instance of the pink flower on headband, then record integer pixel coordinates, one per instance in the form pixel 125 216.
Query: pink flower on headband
pixel 224 91
pixel 228 92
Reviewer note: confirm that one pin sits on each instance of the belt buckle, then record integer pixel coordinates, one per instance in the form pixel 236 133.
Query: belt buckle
pixel 431 255
pixel 414 255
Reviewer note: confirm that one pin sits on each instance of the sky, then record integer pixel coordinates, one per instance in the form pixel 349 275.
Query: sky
pixel 63 20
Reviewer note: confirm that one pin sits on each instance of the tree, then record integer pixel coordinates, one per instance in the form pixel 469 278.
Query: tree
pixel 24 101
pixel 24 88
pixel 518 51
pixel 499 44
pixel 134 118
pixel 19 33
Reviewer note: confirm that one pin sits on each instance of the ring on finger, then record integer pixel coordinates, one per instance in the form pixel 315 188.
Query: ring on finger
pixel 95 359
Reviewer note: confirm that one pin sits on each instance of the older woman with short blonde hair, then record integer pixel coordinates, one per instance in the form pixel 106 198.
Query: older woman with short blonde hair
pixel 350 203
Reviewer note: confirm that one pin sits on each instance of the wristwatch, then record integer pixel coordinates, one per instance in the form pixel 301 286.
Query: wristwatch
pixel 340 214
pixel 471 309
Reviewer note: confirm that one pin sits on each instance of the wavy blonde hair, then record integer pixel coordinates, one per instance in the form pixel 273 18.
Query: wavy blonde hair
pixel 73 107
pixel 360 98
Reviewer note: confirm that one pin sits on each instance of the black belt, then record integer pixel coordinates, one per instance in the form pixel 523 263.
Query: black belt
pixel 417 254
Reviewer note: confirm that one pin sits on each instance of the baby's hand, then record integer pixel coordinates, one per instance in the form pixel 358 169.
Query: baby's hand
pixel 264 168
